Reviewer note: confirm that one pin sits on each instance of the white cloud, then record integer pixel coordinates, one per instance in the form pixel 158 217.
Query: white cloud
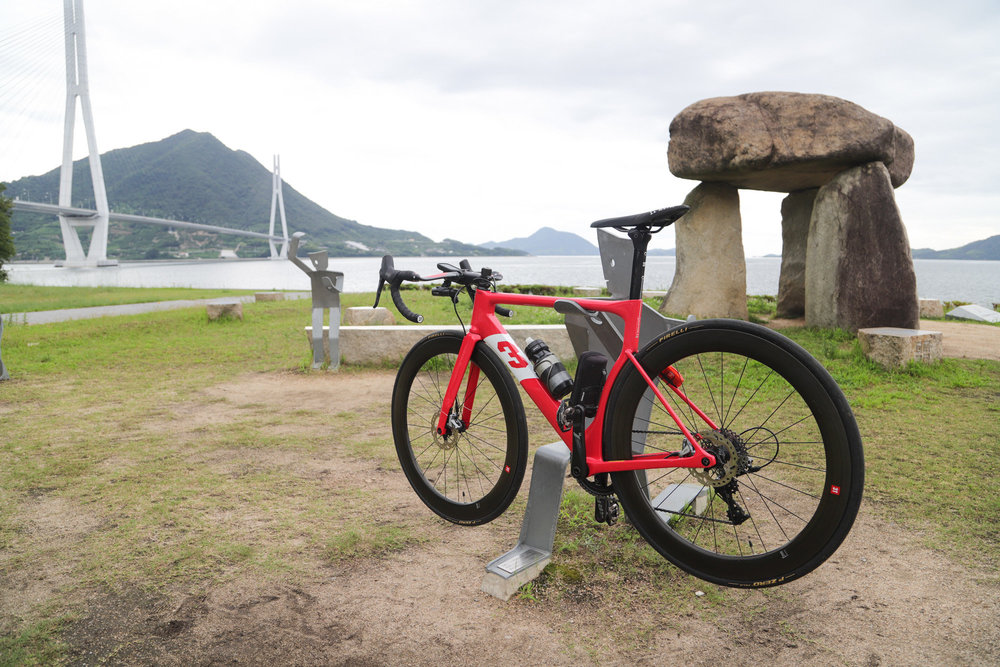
pixel 490 119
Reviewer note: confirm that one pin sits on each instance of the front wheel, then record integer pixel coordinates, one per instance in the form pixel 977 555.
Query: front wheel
pixel 471 473
pixel 789 474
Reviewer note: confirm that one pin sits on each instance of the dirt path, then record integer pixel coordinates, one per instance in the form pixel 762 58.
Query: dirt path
pixel 966 341
pixel 883 599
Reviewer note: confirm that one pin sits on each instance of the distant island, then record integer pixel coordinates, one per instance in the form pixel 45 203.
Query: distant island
pixel 548 241
pixel 987 249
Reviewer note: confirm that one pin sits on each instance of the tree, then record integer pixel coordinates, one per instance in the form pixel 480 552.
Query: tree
pixel 6 239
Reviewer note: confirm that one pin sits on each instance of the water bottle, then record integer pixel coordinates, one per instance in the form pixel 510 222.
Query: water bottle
pixel 549 369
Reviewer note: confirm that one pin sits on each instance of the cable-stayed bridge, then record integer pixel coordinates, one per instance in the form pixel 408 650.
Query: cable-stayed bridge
pixel 71 218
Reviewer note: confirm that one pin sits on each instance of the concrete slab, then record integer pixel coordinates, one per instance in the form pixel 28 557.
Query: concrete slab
pixel 389 344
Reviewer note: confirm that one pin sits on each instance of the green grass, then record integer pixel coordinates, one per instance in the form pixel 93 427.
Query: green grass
pixel 930 431
pixel 109 418
pixel 35 644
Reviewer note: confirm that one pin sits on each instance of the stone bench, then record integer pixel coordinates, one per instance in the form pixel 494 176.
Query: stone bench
pixel 931 308
pixel 224 309
pixel 893 348
pixel 365 316
pixel 377 345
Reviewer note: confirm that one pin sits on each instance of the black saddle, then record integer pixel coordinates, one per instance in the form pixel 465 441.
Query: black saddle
pixel 659 219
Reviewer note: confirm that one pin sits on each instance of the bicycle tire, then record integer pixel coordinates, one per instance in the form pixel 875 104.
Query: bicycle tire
pixel 468 477
pixel 795 461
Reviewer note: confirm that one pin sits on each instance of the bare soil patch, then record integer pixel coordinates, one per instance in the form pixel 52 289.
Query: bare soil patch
pixel 884 598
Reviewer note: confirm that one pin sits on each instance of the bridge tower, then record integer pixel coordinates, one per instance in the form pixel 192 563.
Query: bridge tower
pixel 278 204
pixel 77 87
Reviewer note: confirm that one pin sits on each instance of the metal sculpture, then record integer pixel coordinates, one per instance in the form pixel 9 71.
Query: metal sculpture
pixel 326 289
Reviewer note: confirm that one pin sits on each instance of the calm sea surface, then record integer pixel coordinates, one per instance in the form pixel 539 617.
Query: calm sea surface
pixel 957 280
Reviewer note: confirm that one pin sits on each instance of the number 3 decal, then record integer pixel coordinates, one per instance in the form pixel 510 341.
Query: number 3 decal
pixel 516 360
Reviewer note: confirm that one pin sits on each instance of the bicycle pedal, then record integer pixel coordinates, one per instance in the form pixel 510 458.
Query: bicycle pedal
pixel 606 510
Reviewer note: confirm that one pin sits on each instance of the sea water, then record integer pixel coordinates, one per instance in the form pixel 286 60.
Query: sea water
pixel 952 280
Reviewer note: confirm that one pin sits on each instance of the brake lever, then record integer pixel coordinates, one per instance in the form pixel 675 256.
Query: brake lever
pixel 385 272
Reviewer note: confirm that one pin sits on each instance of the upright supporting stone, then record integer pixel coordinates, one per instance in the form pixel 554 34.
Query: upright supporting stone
pixel 711 275
pixel 859 272
pixel 796 210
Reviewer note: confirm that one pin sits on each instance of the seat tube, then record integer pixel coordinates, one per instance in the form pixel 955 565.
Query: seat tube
pixel 455 382
pixel 640 241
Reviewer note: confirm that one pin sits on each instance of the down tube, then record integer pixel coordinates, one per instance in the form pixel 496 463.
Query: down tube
pixel 509 353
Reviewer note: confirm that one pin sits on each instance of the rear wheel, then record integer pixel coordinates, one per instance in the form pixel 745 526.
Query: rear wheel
pixel 471 473
pixel 789 474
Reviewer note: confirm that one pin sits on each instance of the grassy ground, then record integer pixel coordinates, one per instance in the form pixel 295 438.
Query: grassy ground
pixel 80 425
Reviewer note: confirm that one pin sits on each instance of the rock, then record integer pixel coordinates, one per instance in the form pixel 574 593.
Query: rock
pixel 976 313
pixel 859 273
pixel 783 142
pixel 931 308
pixel 796 210
pixel 710 279
pixel 892 347
pixel 224 310
pixel 365 316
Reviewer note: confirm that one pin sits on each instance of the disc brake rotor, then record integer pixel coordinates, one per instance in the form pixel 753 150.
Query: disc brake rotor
pixel 727 455
pixel 446 441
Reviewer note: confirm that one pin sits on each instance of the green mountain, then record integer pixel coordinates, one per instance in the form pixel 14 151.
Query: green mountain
pixel 985 249
pixel 192 176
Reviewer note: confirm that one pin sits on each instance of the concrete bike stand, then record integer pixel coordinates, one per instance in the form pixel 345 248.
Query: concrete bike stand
pixel 533 552
pixel 523 563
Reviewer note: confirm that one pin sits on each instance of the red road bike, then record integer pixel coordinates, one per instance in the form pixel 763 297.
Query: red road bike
pixel 737 414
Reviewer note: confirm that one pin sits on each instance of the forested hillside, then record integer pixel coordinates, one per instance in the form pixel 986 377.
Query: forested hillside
pixel 985 249
pixel 192 176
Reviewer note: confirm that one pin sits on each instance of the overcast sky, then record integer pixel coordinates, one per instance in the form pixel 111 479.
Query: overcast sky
pixel 483 120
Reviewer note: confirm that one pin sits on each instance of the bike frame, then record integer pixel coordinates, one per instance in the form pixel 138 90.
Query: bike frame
pixel 485 327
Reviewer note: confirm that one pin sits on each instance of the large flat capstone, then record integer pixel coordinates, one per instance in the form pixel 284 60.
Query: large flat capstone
pixel 783 142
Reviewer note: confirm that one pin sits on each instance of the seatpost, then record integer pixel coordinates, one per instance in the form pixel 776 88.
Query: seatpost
pixel 640 240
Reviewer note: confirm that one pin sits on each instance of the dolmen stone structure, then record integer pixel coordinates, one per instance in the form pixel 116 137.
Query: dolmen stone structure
pixel 845 255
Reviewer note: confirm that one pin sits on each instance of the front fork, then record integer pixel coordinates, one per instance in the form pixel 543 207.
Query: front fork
pixel 448 420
